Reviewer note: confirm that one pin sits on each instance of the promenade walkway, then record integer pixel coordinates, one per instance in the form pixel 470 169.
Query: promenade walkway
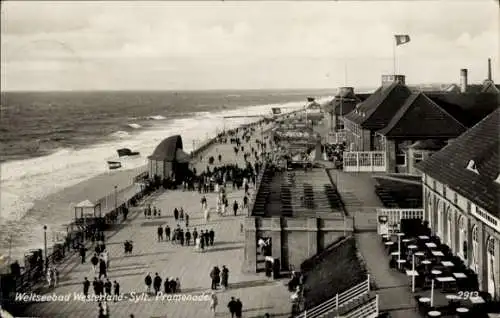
pixel 357 192
pixel 258 294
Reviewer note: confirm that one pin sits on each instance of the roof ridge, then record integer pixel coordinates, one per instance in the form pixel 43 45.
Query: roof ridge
pixel 385 93
pixel 444 111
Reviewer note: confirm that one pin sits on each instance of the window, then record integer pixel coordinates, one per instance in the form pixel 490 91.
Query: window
pixel 468 207
pixel 455 198
pixel 434 185
pixel 401 159
pixel 417 157
pixel 444 191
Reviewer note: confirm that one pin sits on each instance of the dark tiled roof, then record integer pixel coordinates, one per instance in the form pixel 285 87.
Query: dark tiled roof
pixel 420 117
pixel 428 144
pixel 332 271
pixel 449 166
pixel 468 108
pixel 406 193
pixel 376 111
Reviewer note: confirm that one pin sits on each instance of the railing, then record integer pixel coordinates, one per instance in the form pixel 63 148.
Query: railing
pixel 367 310
pixel 364 161
pixel 338 300
pixel 393 218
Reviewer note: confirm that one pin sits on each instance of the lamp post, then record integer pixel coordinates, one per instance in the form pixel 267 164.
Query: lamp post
pixel 116 198
pixel 45 246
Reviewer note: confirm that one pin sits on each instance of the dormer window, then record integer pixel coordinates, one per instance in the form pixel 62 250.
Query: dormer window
pixel 471 166
pixel 497 180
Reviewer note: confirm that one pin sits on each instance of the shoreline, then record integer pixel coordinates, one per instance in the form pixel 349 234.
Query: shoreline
pixel 60 205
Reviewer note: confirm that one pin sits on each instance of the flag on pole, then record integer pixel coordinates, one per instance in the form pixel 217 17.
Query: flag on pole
pixel 402 39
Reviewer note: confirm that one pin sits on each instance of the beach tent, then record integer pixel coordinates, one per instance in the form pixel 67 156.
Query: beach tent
pixel 88 209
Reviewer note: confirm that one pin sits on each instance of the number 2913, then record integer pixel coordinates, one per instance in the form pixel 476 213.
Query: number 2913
pixel 467 294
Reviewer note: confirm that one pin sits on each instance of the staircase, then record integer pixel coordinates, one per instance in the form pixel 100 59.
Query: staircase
pixel 352 303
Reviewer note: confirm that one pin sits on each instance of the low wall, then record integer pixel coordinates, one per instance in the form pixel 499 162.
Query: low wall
pixel 293 239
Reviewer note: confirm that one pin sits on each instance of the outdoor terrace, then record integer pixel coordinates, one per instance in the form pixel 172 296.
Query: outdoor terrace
pixel 297 193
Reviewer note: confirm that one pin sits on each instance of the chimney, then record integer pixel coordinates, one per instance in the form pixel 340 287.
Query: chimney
pixel 345 91
pixel 489 70
pixel 463 80
pixel 389 79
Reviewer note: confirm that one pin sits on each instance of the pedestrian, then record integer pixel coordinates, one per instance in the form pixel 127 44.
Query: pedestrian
pixel 107 287
pixel 213 303
pixel 176 214
pixel 83 252
pixel 148 281
pixel 224 276
pixel 235 207
pixel 95 286
pixel 232 307
pixel 157 284
pixel 160 233
pixel 101 310
pixel 116 289
pixel 211 237
pixel 188 237
pixel 167 233
pixel 239 308
pixel 186 217
pixel 86 286
pixel 102 269
pixel 181 214
pixel 95 261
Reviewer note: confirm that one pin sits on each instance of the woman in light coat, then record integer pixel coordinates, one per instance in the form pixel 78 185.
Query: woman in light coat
pixel 213 302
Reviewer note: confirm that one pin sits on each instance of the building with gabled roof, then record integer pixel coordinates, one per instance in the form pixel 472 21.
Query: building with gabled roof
pixel 462 196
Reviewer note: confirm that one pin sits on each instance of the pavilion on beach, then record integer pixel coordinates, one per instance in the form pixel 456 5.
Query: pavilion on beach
pixel 169 160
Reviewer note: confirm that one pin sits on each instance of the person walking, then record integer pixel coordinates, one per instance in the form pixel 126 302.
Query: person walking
pixel 116 289
pixel 86 287
pixel 235 207
pixel 232 307
pixel 239 308
pixel 160 233
pixel 148 281
pixel 95 261
pixel 213 303
pixel 157 283
pixel 224 277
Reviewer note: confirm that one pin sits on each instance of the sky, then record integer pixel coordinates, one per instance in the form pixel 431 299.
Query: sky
pixel 242 44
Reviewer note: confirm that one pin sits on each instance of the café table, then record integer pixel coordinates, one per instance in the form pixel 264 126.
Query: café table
pixel 446 279
pixel 447 263
pixel 477 300
pixel 411 273
pixel 423 237
pixel 419 253
pixel 434 313
pixel 386 236
pixel 426 262
pixel 424 300
pixel 459 275
pixel 430 244
pixel 401 261
pixel 395 253
pixel 462 310
pixel 389 243
pixel 406 240
pixel 436 272
pixel 412 247
pixel 453 297
pixel 400 234
pixel 437 253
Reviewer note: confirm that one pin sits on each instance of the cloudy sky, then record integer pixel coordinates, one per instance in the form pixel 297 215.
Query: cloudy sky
pixel 233 44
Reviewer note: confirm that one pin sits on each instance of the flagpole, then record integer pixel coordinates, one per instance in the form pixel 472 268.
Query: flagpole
pixel 394 57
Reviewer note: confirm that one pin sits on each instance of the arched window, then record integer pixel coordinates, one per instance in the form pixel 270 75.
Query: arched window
pixel 448 228
pixel 491 263
pixel 462 238
pixel 475 249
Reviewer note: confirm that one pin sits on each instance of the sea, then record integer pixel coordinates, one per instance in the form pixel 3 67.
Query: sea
pixel 50 141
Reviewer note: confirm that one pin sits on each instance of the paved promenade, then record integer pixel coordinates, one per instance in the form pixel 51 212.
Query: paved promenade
pixel 357 192
pixel 258 294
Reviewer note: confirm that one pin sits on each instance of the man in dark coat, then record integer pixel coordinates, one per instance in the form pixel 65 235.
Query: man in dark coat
pixel 195 235
pixel 167 233
pixel 211 236
pixel 95 286
pixel 176 214
pixel 116 287
pixel 86 286
pixel 213 277
pixel 235 207
pixel 83 252
pixel 160 233
pixel 232 305
pixel 107 287
pixel 206 236
pixel 239 308
pixel 148 281
pixel 157 284
pixel 102 269
pixel 188 237
pixel 224 276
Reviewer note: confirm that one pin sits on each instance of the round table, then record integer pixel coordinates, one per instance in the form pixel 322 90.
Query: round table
pixel 395 253
pixel 436 272
pixel 434 313
pixel 405 240
pixel 412 247
pixel 400 234
pixel 426 262
pixel 452 297
pixel 419 253
pixel 462 310
pixel 424 300
pixel 389 243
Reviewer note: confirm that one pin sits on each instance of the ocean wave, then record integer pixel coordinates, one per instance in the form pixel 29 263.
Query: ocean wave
pixel 156 117
pixel 120 134
pixel 135 126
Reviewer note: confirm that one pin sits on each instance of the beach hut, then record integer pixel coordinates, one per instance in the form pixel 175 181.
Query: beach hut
pixel 87 209
pixel 169 160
